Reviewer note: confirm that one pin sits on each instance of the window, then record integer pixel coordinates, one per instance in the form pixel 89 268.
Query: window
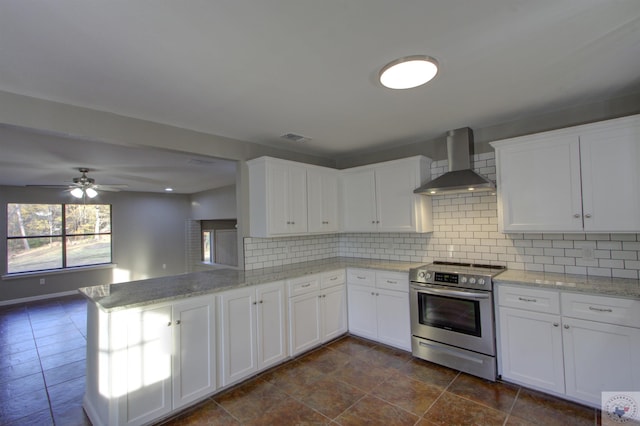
pixel 57 236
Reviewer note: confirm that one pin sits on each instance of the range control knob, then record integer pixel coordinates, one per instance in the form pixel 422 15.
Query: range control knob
pixel 472 280
pixel 463 280
pixel 481 281
pixel 421 274
pixel 427 275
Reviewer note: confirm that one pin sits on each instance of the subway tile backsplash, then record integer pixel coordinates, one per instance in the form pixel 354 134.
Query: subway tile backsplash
pixel 465 230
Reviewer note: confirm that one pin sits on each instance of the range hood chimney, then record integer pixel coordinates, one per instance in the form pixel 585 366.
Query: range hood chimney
pixel 460 178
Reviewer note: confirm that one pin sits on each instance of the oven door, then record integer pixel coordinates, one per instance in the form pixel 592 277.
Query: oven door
pixel 453 316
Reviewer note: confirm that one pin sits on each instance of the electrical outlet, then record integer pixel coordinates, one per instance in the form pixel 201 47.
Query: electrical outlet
pixel 587 253
pixel 42 281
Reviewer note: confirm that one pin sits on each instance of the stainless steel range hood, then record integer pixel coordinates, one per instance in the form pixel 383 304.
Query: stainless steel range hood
pixel 460 178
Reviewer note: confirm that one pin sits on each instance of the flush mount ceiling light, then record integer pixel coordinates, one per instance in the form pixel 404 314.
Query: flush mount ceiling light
pixel 408 72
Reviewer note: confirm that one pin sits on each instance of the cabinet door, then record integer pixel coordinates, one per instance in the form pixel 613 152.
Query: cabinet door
pixel 334 312
pixel 531 349
pixel 600 357
pixel 304 323
pixel 297 199
pixel 194 366
pixel 271 325
pixel 359 200
pixel 394 323
pixel 322 196
pixel 395 183
pixel 611 178
pixel 362 311
pixel 238 340
pixel 539 185
pixel 278 199
pixel 148 365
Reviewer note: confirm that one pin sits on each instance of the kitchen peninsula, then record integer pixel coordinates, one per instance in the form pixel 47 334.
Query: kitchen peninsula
pixel 156 346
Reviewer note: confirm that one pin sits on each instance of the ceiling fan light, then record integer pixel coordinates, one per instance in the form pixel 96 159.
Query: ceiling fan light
pixel 91 193
pixel 409 72
pixel 77 192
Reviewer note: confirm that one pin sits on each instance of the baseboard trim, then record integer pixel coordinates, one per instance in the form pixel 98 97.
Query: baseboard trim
pixel 36 298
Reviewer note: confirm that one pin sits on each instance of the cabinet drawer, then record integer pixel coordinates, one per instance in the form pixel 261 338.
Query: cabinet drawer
pixel 612 310
pixel 303 285
pixel 392 281
pixel 333 278
pixel 531 299
pixel 361 276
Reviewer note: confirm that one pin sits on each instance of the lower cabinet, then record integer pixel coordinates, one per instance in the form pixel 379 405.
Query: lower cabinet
pixel 379 306
pixel 531 348
pixel 589 344
pixel 252 330
pixel 144 363
pixel 317 309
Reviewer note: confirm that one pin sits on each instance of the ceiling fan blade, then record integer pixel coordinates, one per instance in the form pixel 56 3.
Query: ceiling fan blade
pixel 51 186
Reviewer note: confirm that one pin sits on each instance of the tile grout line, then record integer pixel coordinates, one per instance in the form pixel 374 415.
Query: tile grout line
pixel 44 379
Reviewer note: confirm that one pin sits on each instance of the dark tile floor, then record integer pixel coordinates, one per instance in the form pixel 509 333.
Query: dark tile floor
pixel 42 362
pixel 349 381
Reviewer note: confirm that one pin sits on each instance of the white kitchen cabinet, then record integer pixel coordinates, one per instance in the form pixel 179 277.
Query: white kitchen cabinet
pixel 194 361
pixel 570 344
pixel 322 200
pixel 380 198
pixel 579 179
pixel 277 197
pixel 253 330
pixel 601 337
pixel 317 310
pixel 379 306
pixel 531 349
pixel 143 363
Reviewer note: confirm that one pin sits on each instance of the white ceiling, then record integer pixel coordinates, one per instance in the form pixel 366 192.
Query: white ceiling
pixel 254 70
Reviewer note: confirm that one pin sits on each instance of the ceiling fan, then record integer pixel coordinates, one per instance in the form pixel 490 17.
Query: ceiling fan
pixel 85 186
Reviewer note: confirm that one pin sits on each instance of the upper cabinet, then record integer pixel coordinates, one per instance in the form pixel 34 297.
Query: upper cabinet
pixel 579 179
pixel 277 197
pixel 380 198
pixel 322 200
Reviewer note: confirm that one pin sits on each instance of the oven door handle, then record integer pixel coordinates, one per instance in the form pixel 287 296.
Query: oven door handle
pixel 442 292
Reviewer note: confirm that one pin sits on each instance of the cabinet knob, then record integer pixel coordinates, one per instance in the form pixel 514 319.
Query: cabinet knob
pixel 566 326
pixel 377 221
pixel 293 223
pixel 178 322
pixel 377 294
pixel 169 324
pixel 261 302
pixel 372 293
pixel 255 303
pixel 576 215
pixel 588 216
pixel 373 221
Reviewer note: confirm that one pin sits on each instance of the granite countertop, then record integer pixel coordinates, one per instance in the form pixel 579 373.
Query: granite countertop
pixel 619 287
pixel 112 297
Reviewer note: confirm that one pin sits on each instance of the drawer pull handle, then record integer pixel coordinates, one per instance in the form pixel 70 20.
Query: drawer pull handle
pixel 555 324
pixel 525 299
pixel 333 278
pixel 305 285
pixel 361 278
pixel 392 282
pixel 591 308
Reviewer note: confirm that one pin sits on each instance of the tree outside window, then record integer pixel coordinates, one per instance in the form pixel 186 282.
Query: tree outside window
pixel 57 236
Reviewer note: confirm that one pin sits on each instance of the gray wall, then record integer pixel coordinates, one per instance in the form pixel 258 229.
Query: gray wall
pixel 435 148
pixel 148 231
pixel 219 203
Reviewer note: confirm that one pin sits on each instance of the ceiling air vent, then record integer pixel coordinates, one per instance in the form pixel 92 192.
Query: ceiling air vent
pixel 295 138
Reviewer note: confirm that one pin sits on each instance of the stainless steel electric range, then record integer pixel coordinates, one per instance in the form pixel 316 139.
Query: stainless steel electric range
pixel 452 317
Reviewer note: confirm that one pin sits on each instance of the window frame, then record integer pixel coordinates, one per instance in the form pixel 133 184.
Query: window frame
pixel 63 235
